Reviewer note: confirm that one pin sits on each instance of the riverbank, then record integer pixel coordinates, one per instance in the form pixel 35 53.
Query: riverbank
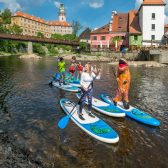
pixel 2 54
pixel 112 61
pixel 83 57
pixel 142 63
pixel 30 56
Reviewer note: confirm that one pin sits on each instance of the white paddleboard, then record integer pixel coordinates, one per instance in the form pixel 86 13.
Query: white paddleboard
pixel 95 127
pixel 104 107
pixel 67 87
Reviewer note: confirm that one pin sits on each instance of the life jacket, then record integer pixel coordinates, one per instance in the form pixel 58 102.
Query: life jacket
pixel 80 67
pixel 71 68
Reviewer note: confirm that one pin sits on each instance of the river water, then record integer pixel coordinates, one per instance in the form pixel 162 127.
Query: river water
pixel 30 111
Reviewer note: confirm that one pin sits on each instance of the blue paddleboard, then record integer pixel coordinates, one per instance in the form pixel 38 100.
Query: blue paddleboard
pixel 132 112
pixel 95 127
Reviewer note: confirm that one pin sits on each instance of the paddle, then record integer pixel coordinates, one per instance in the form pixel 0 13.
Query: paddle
pixel 51 81
pixel 64 121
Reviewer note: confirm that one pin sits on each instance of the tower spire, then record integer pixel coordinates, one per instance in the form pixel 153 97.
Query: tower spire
pixel 62 14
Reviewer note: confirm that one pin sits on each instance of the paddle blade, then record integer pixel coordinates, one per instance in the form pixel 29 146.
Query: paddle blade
pixel 63 122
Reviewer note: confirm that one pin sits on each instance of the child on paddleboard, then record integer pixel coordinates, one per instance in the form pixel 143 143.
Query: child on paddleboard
pixel 123 80
pixel 61 69
pixel 79 69
pixel 87 77
pixel 72 67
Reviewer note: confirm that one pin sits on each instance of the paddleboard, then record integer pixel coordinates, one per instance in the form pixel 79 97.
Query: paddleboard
pixel 95 127
pixel 104 108
pixel 132 112
pixel 73 82
pixel 67 87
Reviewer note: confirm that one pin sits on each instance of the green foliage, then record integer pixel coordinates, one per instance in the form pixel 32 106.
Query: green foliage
pixel 76 26
pixel 57 36
pixel 116 38
pixel 51 49
pixel 6 16
pixel 68 37
pixel 15 29
pixel 3 29
pixel 10 46
pixel 65 47
pixel 39 34
pixel 38 48
pixel 83 45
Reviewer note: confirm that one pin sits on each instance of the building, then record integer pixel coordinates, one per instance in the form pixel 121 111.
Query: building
pixel 85 36
pixel 151 20
pixel 135 28
pixel 103 37
pixel 31 25
pixel 135 33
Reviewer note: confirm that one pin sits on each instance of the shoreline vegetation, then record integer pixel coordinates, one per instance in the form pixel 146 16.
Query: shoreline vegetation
pixel 87 57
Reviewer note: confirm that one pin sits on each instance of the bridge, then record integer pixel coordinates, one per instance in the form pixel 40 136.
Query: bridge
pixel 31 39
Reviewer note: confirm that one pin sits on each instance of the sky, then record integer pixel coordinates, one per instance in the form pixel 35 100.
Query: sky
pixel 90 13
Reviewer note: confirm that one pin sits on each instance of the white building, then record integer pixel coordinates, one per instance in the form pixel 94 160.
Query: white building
pixel 151 20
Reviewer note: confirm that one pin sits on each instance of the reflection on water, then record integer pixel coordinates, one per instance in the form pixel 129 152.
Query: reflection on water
pixel 31 111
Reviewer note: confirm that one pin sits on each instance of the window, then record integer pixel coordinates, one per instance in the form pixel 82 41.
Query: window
pixel 135 37
pixel 103 37
pixel 153 37
pixel 153 26
pixel 94 38
pixel 153 16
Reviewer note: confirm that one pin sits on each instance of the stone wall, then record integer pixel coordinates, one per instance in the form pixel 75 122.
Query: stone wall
pixel 131 56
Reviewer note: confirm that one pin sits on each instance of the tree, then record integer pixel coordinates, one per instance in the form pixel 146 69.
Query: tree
pixel 76 26
pixel 83 46
pixel 15 29
pixel 70 37
pixel 115 41
pixel 3 29
pixel 57 36
pixel 6 16
pixel 39 34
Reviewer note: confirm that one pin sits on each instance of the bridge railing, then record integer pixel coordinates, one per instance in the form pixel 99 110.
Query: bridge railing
pixel 37 39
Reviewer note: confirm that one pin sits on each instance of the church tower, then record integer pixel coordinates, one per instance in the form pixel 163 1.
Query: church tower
pixel 62 16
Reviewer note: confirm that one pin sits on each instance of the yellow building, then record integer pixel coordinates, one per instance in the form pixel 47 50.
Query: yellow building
pixel 31 25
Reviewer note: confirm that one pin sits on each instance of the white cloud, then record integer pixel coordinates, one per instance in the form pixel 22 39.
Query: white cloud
pixel 13 5
pixel 93 3
pixel 57 4
pixel 96 3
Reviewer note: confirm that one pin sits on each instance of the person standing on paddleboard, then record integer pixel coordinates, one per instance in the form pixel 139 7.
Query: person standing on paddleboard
pixel 61 69
pixel 123 80
pixel 87 77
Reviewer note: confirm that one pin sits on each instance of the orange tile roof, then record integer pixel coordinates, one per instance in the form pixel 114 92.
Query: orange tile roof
pixel 101 30
pixel 37 19
pixel 120 22
pixel 153 2
pixel 59 23
pixel 134 27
